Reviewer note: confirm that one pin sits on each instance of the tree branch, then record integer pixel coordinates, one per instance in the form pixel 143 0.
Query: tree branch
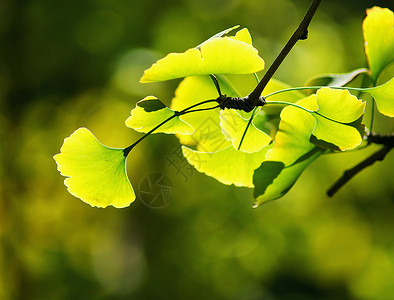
pixel 301 33
pixel 349 174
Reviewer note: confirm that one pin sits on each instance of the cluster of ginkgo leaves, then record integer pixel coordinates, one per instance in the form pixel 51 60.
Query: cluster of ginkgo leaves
pixel 248 149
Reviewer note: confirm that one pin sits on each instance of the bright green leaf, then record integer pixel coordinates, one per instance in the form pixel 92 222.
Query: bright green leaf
pixel 378 28
pixel 273 180
pixel 335 79
pixel 96 173
pixel 338 119
pixel 292 152
pixel 233 127
pixel 384 97
pixel 228 166
pixel 150 112
pixel 223 55
pixel 295 129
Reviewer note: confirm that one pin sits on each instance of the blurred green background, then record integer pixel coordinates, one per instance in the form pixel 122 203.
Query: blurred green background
pixel 69 64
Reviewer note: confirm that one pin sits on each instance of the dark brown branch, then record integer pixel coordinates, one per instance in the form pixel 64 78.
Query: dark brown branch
pixel 301 33
pixel 349 174
pixel 387 140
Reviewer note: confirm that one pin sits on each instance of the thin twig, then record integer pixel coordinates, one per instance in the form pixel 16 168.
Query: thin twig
pixel 349 174
pixel 301 33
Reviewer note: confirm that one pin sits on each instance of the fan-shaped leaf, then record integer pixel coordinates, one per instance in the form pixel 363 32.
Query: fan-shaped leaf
pixel 378 28
pixel 338 119
pixel 150 112
pixel 384 97
pixel 228 166
pixel 223 55
pixel 291 153
pixel 273 180
pixel 96 173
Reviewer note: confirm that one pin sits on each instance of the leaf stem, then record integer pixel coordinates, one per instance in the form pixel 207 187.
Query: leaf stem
pixel 127 150
pixel 247 127
pixel 314 88
pixel 291 104
pixel 300 33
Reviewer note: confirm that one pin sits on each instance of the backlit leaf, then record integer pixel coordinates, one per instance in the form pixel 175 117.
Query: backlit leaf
pixel 384 97
pixel 292 152
pixel 273 180
pixel 378 28
pixel 150 111
pixel 222 55
pixel 228 166
pixel 338 119
pixel 233 127
pixel 96 173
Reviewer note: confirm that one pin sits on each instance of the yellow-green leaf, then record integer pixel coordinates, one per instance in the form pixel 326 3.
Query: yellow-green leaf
pixel 384 97
pixel 219 55
pixel 338 119
pixel 291 153
pixel 295 129
pixel 229 166
pixel 378 28
pixel 150 112
pixel 96 173
pixel 233 127
pixel 273 179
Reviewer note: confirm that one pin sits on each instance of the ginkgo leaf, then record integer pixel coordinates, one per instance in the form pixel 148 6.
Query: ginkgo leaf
pixel 96 173
pixel 295 128
pixel 228 166
pixel 150 112
pixel 338 119
pixel 378 28
pixel 237 129
pixel 222 55
pixel 384 97
pixel 335 79
pixel 291 153
pixel 273 179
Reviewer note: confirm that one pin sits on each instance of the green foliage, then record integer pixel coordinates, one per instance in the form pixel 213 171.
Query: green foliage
pixel 383 95
pixel 242 133
pixel 378 28
pixel 338 119
pixel 150 111
pixel 96 173
pixel 220 55
pixel 247 149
